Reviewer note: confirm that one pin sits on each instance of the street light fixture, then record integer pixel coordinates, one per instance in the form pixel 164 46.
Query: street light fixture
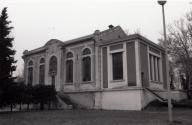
pixel 162 3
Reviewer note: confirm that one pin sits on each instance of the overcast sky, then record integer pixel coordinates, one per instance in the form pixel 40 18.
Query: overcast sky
pixel 37 21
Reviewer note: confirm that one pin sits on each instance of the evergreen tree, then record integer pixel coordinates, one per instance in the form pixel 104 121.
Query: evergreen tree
pixel 6 54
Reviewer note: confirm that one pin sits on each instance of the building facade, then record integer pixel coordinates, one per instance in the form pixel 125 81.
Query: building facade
pixel 105 70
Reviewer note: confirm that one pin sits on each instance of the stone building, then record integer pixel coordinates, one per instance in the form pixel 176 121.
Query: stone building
pixel 105 70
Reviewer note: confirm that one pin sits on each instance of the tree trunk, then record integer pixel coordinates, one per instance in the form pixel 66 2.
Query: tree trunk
pixel 189 87
pixel 49 105
pixel 20 107
pixel 41 106
pixel 28 107
pixel 187 82
pixel 11 107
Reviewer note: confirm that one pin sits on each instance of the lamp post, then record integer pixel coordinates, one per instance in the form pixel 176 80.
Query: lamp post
pixel 162 3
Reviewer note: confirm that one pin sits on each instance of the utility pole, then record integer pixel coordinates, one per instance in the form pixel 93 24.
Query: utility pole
pixel 162 3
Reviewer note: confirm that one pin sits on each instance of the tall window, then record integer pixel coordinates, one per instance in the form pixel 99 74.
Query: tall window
pixel 30 73
pixel 69 67
pixel 117 65
pixel 154 62
pixel 86 65
pixel 53 69
pixel 53 65
pixel 42 71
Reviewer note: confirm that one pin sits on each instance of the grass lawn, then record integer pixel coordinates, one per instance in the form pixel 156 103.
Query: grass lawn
pixel 182 116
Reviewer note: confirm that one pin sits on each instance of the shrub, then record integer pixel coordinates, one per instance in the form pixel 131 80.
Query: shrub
pixel 43 94
pixel 19 93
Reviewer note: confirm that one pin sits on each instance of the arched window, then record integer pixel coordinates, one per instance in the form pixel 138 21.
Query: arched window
pixel 42 60
pixel 86 65
pixel 69 55
pixel 53 65
pixel 42 71
pixel 30 73
pixel 30 63
pixel 86 51
pixel 53 69
pixel 69 67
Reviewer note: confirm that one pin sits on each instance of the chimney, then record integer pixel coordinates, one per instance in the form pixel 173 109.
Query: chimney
pixel 97 32
pixel 110 26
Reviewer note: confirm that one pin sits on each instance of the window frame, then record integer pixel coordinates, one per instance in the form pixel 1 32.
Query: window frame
pixel 124 64
pixel 30 66
pixel 91 64
pixel 155 77
pixel 53 72
pixel 41 64
pixel 110 82
pixel 111 52
pixel 69 59
pixel 112 62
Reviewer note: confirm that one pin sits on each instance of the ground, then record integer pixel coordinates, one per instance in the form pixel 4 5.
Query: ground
pixel 182 116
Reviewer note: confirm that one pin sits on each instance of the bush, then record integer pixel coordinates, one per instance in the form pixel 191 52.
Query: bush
pixel 12 94
pixel 43 94
pixel 19 93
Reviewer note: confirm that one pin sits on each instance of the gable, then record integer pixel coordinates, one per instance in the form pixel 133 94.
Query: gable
pixel 53 41
pixel 110 34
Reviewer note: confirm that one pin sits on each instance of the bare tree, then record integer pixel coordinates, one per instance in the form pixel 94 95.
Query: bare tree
pixel 179 38
pixel 20 76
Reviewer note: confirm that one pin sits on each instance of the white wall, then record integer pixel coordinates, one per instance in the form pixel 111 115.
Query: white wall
pixel 121 99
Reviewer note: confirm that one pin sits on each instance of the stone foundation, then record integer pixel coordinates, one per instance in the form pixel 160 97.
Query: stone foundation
pixel 120 99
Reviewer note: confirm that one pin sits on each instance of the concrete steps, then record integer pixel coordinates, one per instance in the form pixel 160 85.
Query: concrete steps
pixel 62 104
pixel 158 97
pixel 164 102
pixel 68 102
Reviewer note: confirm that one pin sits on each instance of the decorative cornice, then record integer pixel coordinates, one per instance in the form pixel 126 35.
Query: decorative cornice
pixel 97 37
